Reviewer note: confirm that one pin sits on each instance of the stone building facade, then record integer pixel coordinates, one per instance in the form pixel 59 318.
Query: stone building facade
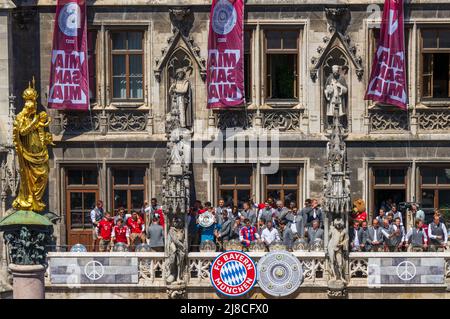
pixel 116 151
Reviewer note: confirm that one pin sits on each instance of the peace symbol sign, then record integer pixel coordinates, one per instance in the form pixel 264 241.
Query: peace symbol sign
pixel 406 270
pixel 94 270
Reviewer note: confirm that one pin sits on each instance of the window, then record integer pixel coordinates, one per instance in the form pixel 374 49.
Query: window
pixel 388 186
pixel 127 65
pixel 248 65
pixel 82 189
pixel 91 52
pixel 281 48
pixel 235 185
pixel 435 189
pixel 435 63
pixel 128 188
pixel 283 185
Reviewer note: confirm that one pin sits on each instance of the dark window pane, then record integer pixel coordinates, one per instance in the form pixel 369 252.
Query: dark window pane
pixel 119 40
pixel 135 40
pixel 120 198
pixel 136 65
pixel 427 75
pixel 444 39
pixel 444 204
pixel 274 179
pixel 226 176
pixel 274 193
pixel 87 219
pixel 120 87
pixel 440 75
pixel 121 177
pixel 76 219
pixel 75 177
pixel 381 176
pixel 227 196
pixel 137 176
pixel 398 176
pixel 443 175
pixel 290 195
pixel 290 40
pixel 137 199
pixel 273 40
pixel 243 196
pixel 428 198
pixel 76 201
pixel 243 175
pixel 428 175
pixel 90 177
pixel 247 76
pixel 136 88
pixel 429 38
pixel 119 67
pixel 88 202
pixel 283 75
pixel 290 176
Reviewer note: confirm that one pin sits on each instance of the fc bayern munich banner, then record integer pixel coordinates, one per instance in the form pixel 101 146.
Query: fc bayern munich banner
pixel 69 80
pixel 225 71
pixel 388 78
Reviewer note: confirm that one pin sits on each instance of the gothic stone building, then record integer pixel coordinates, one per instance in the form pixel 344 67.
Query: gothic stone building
pixel 117 150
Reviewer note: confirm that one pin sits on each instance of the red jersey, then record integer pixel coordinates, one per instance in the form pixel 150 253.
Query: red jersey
pixel 105 228
pixel 121 233
pixel 135 225
pixel 161 216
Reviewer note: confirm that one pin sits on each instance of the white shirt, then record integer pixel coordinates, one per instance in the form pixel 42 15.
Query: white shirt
pixel 268 236
pixel 444 229
pixel 356 243
pixel 294 225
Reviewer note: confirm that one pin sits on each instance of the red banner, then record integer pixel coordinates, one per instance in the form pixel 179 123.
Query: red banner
pixel 225 73
pixel 69 79
pixel 388 79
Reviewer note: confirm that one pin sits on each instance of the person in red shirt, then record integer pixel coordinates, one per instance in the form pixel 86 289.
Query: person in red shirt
pixel 104 230
pixel 137 228
pixel 121 233
pixel 160 215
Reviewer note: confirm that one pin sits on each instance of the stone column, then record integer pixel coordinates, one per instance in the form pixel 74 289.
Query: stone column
pixel 28 281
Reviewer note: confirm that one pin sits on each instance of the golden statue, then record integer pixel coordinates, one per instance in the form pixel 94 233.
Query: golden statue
pixel 31 140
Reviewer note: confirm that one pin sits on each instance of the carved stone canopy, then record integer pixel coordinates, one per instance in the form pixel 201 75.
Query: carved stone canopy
pixel 182 20
pixel 343 42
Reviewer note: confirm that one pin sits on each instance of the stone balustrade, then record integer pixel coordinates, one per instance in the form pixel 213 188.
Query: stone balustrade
pixel 151 270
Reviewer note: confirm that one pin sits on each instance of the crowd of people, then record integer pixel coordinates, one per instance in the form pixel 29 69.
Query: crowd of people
pixel 267 223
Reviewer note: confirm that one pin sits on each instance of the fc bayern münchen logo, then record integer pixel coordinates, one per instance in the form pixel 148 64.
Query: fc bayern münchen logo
pixel 233 273
pixel 69 19
pixel 224 17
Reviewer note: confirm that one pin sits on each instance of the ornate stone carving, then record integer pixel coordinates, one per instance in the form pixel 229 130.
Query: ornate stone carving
pixel 230 119
pixel 338 20
pixel 385 121
pixel 126 121
pixel 434 120
pixel 282 120
pixel 80 122
pixel 182 20
pixel 27 246
pixel 336 205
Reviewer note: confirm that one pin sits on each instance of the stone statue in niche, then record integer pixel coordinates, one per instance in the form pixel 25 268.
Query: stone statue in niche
pixel 176 251
pixel 180 92
pixel 335 93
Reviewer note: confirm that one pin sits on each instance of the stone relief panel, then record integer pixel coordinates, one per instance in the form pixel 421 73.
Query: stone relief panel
pixel 383 121
pixel 284 121
pixel 234 119
pixel 433 120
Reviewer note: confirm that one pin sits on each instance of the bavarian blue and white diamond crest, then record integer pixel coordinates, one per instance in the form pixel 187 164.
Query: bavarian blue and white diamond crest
pixel 233 273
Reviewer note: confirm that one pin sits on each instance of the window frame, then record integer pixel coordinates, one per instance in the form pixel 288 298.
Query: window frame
pixel 127 187
pixel 248 86
pixel 432 51
pixel 432 187
pixel 266 52
pixel 79 188
pixel 234 187
pixel 127 53
pixel 282 187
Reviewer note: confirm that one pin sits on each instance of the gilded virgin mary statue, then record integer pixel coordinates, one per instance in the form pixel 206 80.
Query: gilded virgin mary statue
pixel 31 140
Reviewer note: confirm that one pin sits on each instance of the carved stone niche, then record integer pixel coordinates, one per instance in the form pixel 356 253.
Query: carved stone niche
pixel 338 19
pixel 182 19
